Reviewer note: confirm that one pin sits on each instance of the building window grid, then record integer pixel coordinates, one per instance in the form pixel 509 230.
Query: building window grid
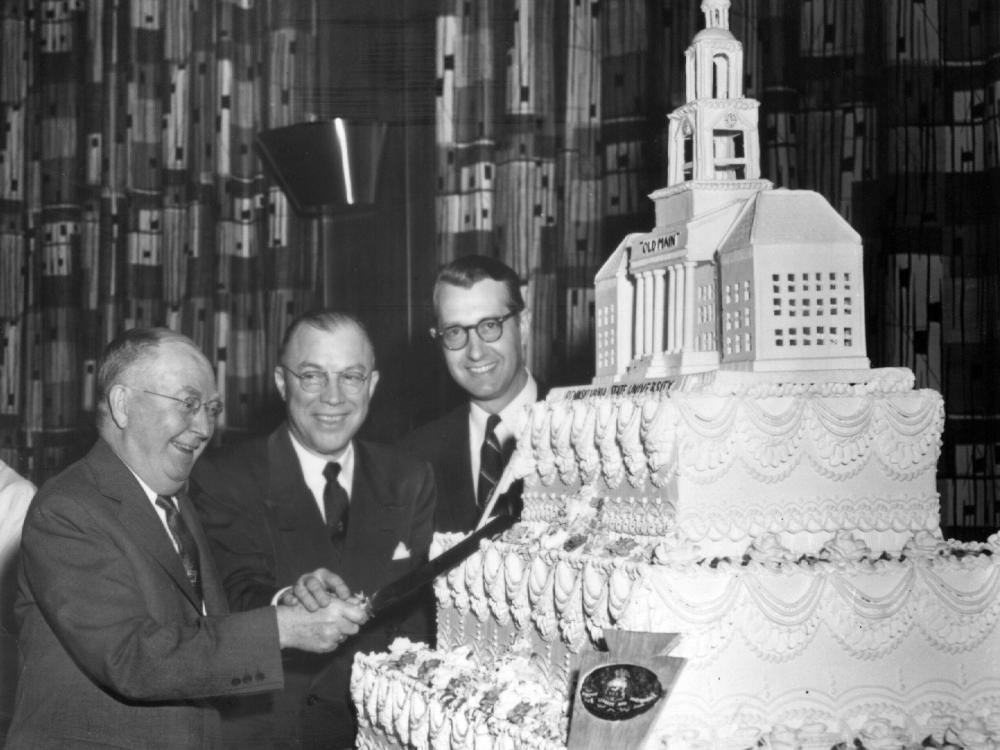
pixel 795 298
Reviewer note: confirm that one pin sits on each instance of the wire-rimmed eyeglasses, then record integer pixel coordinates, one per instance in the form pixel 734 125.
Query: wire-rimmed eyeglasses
pixel 456 337
pixel 351 382
pixel 192 404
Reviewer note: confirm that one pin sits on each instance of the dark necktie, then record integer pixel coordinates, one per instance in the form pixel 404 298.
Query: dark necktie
pixel 186 547
pixel 335 502
pixel 490 461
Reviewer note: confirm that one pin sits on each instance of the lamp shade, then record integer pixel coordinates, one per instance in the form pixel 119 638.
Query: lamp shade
pixel 325 165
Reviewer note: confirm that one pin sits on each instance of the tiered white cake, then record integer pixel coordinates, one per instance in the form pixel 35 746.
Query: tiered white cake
pixel 736 474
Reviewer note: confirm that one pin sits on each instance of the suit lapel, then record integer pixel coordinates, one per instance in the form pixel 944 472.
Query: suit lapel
pixel 301 539
pixel 464 464
pixel 287 493
pixel 460 485
pixel 136 513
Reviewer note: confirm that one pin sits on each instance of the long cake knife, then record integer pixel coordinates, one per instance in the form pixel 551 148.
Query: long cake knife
pixel 405 586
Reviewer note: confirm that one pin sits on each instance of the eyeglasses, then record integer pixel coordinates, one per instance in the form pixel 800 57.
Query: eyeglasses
pixel 456 337
pixel 192 404
pixel 350 382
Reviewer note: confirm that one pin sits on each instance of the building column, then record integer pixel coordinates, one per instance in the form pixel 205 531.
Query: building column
pixel 647 280
pixel 671 308
pixel 659 309
pixel 640 309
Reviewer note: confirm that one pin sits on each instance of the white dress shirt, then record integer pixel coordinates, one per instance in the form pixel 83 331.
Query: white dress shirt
pixel 313 466
pixel 513 417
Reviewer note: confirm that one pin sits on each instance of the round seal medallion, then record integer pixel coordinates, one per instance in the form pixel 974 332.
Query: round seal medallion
pixel 620 691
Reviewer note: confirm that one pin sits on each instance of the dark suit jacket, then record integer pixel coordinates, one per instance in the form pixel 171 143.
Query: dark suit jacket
pixel 115 649
pixel 444 443
pixel 266 530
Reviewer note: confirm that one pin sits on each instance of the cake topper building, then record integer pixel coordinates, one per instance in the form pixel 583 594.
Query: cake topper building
pixel 735 275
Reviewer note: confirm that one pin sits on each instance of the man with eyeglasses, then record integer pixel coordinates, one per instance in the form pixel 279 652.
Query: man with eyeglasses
pixel 311 497
pixel 482 325
pixel 125 633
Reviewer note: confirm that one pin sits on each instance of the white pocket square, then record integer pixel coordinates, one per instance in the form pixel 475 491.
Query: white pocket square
pixel 402 552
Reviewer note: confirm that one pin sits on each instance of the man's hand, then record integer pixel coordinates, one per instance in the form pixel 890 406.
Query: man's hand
pixel 320 630
pixel 316 590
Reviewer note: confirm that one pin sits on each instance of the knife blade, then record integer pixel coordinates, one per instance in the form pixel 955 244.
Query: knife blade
pixel 406 585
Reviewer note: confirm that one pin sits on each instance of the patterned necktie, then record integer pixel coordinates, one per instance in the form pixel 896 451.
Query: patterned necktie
pixel 490 461
pixel 186 547
pixel 335 502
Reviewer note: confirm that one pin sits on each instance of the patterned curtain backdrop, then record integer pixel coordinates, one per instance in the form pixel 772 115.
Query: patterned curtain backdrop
pixel 550 120
pixel 131 195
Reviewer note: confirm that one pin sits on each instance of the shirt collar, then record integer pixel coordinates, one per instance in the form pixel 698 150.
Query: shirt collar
pixel 511 416
pixel 150 494
pixel 313 466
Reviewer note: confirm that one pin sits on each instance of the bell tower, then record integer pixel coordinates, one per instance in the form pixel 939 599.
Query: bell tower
pixel 713 137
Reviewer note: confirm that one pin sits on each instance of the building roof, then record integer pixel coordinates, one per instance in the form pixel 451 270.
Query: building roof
pixel 779 217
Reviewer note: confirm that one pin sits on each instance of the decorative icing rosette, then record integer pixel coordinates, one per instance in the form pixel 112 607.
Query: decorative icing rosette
pixel 767 550
pixel 844 549
pixel 779 738
pixel 972 734
pixel 994 542
pixel 923 544
pixel 816 735
pixel 882 734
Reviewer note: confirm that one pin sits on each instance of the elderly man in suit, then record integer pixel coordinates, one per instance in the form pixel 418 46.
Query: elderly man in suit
pixel 481 326
pixel 311 495
pixel 124 628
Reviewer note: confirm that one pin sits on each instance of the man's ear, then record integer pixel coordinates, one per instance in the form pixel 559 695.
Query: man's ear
pixel 118 405
pixel 279 380
pixel 372 382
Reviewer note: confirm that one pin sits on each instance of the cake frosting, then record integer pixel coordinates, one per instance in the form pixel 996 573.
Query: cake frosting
pixel 725 457
pixel 736 474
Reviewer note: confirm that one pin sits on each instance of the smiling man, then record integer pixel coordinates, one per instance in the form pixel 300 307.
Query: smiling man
pixel 482 325
pixel 310 496
pixel 125 634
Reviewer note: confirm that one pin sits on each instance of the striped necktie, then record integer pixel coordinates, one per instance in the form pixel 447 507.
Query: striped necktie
pixel 186 546
pixel 490 461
